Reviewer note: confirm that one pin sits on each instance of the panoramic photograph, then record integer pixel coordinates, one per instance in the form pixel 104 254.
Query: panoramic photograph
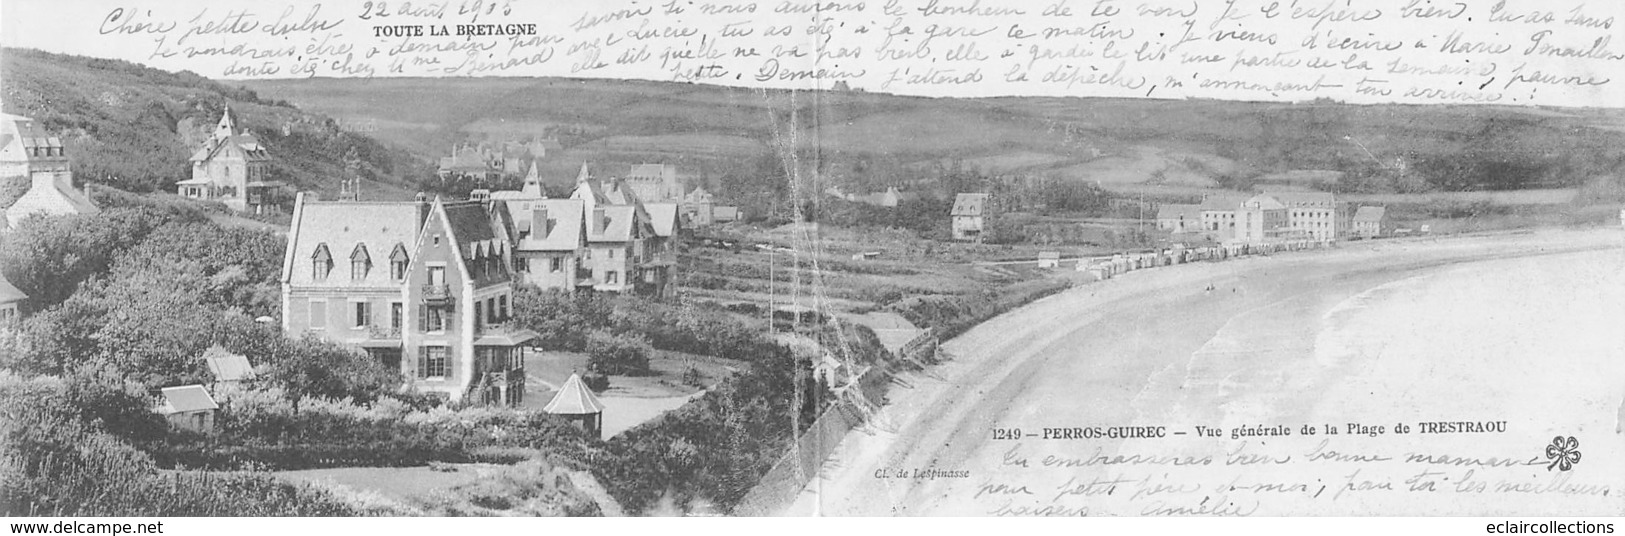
pixel 782 258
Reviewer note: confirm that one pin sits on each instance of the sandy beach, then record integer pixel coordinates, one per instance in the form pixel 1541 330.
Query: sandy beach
pixel 1445 367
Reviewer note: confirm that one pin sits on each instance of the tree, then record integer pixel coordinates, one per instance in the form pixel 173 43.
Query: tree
pixel 624 354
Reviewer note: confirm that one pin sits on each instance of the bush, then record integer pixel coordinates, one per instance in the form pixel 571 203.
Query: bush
pixel 596 382
pixel 621 355
pixel 55 463
pixel 262 428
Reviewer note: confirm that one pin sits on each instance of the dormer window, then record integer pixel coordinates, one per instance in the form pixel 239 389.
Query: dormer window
pixel 360 263
pixel 321 263
pixel 398 261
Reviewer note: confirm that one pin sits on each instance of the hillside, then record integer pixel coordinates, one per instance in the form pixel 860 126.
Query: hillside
pixel 134 127
pixel 866 141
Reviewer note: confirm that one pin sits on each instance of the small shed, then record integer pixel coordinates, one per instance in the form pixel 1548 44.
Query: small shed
pixel 188 407
pixel 577 403
pixel 1049 259
pixel 228 367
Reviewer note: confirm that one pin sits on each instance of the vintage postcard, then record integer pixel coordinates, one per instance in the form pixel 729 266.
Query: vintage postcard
pixel 1047 258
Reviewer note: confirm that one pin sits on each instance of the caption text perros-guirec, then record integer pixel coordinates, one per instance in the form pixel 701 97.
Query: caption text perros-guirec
pixel 1244 432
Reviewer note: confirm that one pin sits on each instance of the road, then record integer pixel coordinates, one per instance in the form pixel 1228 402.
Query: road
pixel 1371 340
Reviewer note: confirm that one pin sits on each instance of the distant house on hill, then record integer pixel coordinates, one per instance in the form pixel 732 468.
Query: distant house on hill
pixel 188 407
pixel 655 183
pixel 470 163
pixel 228 165
pixel 1049 259
pixel 576 403
pixel 26 151
pixel 700 208
pixel 1369 221
pixel 11 301
pixel 970 214
pixel 891 198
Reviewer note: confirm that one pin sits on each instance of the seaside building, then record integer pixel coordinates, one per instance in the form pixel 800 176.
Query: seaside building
pixel 1316 215
pixel 27 151
pixel 1262 218
pixel 1176 218
pixel 471 163
pixel 229 167
pixel 425 287
pixel 603 238
pixel 700 208
pixel 1370 221
pixel 970 214
pixel 655 183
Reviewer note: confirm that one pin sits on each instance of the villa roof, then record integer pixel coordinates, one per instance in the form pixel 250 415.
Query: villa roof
pixel 49 195
pixel 970 204
pixel 9 293
pixel 1264 202
pixel 561 231
pixel 341 225
pixel 574 398
pixel 1368 214
pixel 1174 212
pixel 1222 202
pixel 664 218
pixel 617 227
pixel 1300 199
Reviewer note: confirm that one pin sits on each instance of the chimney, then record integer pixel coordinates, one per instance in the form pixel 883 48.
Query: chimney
pixel 599 220
pixel 538 222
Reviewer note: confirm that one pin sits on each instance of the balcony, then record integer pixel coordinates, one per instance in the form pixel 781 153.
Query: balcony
pixel 383 333
pixel 437 294
pixel 505 333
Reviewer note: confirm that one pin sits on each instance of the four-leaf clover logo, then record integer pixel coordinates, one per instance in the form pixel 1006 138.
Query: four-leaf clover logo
pixel 1564 452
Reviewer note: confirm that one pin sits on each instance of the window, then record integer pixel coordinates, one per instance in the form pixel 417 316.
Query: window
pixel 491 310
pixel 433 362
pixel 395 317
pixel 318 314
pixel 363 314
pixel 612 277
pixel 434 318
pixel 558 264
pixel 321 263
pixel 398 261
pixel 360 263
pixel 437 275
pixel 502 303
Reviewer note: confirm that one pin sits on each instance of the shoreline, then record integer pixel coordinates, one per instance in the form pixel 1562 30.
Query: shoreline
pixel 976 387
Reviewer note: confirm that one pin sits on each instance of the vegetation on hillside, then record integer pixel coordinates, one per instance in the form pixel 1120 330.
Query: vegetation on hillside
pixel 134 127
